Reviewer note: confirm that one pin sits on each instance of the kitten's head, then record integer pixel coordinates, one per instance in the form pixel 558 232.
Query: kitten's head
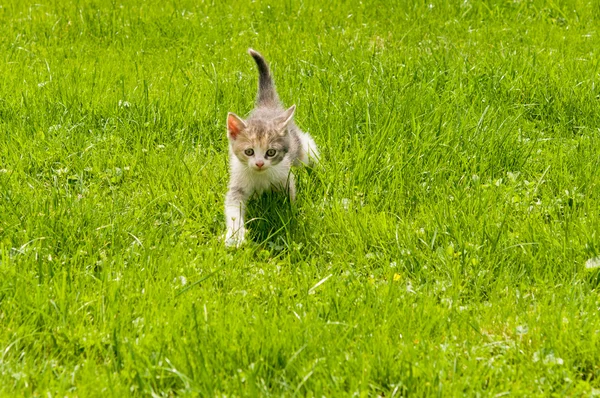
pixel 260 143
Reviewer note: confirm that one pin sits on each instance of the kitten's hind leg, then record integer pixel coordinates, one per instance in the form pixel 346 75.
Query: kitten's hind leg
pixel 235 209
pixel 291 188
pixel 311 154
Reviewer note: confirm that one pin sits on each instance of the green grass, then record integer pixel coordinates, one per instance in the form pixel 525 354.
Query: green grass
pixel 439 250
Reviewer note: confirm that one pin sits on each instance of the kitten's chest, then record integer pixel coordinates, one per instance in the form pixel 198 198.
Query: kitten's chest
pixel 272 180
pixel 260 185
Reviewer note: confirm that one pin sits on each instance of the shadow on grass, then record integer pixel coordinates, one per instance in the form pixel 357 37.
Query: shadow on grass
pixel 271 220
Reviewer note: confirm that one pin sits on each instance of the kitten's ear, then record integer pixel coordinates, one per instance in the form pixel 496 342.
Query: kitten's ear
pixel 286 118
pixel 235 125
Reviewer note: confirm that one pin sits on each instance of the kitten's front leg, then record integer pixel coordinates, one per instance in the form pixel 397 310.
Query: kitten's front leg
pixel 235 209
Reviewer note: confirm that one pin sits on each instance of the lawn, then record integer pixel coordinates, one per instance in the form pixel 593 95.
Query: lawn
pixel 440 248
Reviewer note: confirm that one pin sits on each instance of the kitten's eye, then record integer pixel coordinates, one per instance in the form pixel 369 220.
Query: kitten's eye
pixel 271 152
pixel 249 152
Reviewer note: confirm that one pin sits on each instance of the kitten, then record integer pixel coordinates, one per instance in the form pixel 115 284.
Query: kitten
pixel 262 150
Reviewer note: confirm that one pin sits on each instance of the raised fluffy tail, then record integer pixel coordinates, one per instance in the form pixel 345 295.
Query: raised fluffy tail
pixel 267 96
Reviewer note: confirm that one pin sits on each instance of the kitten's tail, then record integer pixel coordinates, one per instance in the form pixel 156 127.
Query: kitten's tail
pixel 266 88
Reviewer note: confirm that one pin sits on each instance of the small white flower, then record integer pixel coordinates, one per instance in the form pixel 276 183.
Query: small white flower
pixel 345 203
pixel 513 176
pixel 552 360
pixel 592 263
pixel 522 329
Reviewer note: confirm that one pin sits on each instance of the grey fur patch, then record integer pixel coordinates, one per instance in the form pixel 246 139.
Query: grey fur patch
pixel 236 194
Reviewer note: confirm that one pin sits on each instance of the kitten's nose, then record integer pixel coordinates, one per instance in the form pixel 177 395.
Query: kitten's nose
pixel 260 163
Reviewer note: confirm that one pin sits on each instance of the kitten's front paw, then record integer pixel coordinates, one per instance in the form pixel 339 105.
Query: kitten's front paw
pixel 235 238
